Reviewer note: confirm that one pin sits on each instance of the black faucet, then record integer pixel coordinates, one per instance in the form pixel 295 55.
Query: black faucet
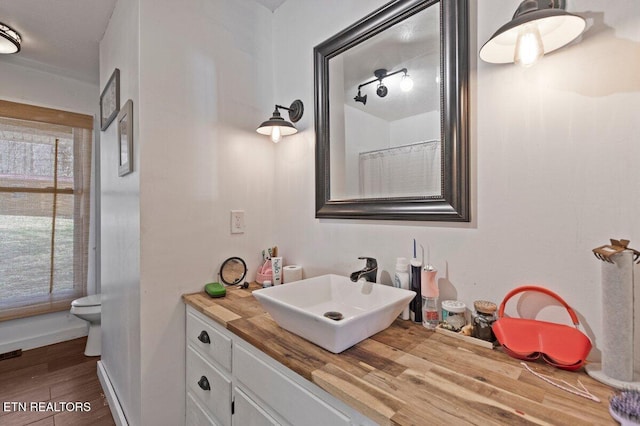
pixel 369 272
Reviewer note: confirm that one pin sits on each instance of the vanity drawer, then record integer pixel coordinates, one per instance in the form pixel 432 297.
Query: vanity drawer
pixel 208 340
pixel 291 401
pixel 196 414
pixel 210 386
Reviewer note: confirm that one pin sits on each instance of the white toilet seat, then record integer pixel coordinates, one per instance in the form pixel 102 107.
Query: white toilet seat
pixel 91 312
pixel 92 300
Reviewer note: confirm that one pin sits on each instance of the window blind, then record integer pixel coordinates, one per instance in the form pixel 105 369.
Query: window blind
pixel 44 214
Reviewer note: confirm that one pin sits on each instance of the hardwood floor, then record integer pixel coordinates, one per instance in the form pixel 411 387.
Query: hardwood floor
pixel 57 386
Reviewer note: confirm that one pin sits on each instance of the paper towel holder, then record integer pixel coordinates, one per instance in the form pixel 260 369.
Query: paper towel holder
pixel 606 251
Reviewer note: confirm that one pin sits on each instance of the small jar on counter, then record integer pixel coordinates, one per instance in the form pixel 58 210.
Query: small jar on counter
pixel 453 315
pixel 483 318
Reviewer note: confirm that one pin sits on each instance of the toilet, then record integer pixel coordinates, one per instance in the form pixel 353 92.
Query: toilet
pixel 89 309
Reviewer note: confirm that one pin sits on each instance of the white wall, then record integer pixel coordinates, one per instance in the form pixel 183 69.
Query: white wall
pixel 417 128
pixel 36 87
pixel 40 88
pixel 196 134
pixel 197 156
pixel 365 132
pixel 120 218
pixel 40 330
pixel 554 154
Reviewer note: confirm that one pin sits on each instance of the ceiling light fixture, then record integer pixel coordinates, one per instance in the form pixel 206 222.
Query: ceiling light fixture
pixel 405 85
pixel 360 98
pixel 10 39
pixel 382 90
pixel 277 127
pixel 537 27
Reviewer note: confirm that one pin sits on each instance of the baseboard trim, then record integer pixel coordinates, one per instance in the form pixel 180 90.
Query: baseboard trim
pixel 45 339
pixel 112 398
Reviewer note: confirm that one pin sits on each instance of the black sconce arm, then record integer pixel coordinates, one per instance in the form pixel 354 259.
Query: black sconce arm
pixel 295 110
pixel 283 107
pixel 382 77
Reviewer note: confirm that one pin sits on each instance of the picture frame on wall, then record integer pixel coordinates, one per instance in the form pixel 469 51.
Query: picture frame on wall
pixel 125 139
pixel 110 100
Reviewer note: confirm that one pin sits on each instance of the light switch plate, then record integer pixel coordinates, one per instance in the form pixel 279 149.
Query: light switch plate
pixel 237 221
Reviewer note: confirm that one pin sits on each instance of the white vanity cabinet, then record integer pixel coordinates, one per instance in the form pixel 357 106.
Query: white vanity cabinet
pixel 247 412
pixel 231 383
pixel 208 373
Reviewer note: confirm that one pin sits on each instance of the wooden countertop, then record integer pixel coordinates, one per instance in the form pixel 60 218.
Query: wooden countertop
pixel 408 375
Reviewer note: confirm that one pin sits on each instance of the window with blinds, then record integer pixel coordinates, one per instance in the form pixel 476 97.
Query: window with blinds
pixel 45 168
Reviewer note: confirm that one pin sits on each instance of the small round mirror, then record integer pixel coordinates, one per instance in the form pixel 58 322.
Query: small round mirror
pixel 233 271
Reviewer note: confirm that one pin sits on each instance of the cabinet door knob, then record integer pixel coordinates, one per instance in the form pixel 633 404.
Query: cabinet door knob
pixel 204 383
pixel 204 337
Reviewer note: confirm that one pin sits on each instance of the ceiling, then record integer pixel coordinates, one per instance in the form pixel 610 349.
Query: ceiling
pixel 272 5
pixel 63 36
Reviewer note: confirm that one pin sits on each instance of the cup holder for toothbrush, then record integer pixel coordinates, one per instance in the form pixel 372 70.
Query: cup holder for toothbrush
pixel 333 315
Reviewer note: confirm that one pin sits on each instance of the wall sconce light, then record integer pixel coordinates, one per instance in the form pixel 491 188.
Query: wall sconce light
pixel 277 127
pixel 10 39
pixel 537 27
pixel 405 85
pixel 360 98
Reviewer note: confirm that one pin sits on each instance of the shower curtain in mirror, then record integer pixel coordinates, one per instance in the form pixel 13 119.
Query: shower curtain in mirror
pixel 403 171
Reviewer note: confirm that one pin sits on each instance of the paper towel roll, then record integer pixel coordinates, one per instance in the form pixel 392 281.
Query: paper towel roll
pixel 291 273
pixel 617 317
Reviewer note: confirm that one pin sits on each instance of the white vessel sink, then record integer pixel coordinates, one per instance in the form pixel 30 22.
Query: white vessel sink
pixel 366 309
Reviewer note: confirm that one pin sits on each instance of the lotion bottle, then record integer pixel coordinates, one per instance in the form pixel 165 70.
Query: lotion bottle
pixel 401 280
pixel 276 263
pixel 430 293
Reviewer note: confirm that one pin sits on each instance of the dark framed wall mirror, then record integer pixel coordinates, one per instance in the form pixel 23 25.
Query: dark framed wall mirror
pixel 391 115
